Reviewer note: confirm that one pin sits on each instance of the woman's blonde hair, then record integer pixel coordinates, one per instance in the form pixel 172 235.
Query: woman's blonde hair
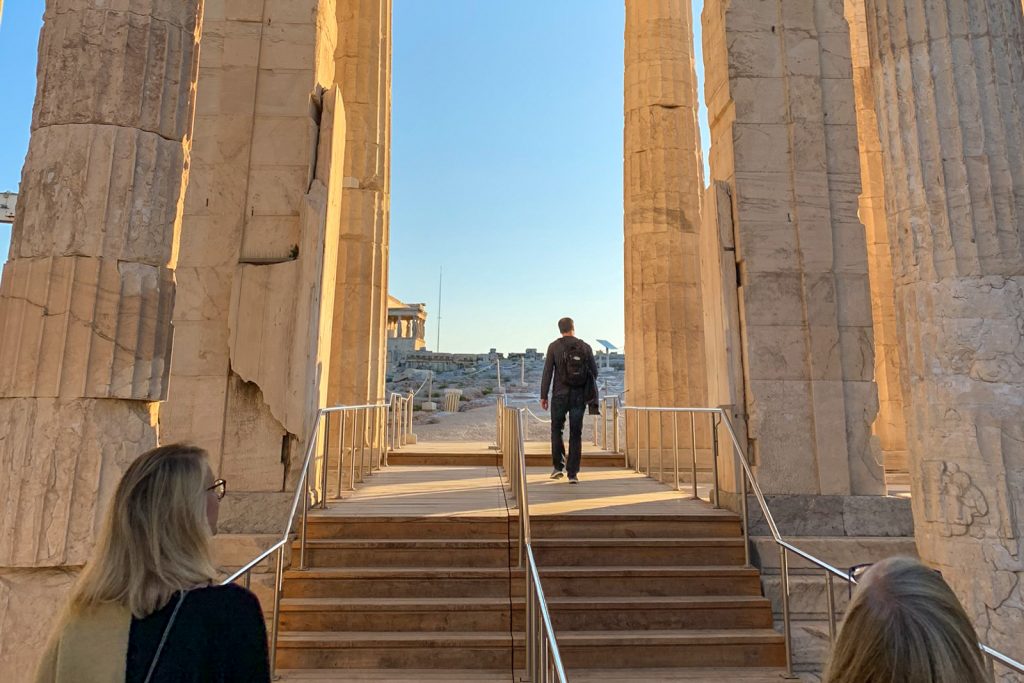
pixel 905 625
pixel 155 539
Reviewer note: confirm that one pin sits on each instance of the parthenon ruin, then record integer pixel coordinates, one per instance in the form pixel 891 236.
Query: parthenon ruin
pixel 200 252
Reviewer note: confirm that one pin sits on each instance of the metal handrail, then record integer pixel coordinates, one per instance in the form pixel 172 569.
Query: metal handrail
pixel 543 659
pixel 304 489
pixel 785 547
pixel 400 413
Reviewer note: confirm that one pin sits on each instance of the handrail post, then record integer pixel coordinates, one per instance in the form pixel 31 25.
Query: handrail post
pixel 305 522
pixel 675 447
pixel 786 625
pixel 615 426
pixel 693 453
pixel 741 473
pixel 831 599
pixel 647 418
pixel 714 461
pixel 275 624
pixel 343 418
pixel 636 428
pixel 352 451
pixel 327 450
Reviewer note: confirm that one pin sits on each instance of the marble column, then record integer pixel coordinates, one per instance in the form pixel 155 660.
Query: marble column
pixel 949 86
pixel 663 184
pixel 890 425
pixel 786 172
pixel 87 292
pixel 360 311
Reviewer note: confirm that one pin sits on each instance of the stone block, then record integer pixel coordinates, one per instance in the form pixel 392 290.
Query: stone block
pixel 194 412
pixel 86 326
pixel 246 512
pixel 834 516
pixel 203 293
pixel 255 444
pixel 126 186
pixel 275 238
pixel 284 93
pixel 31 600
pixel 774 299
pixel 284 140
pixel 64 459
pixel 109 66
pixel 289 46
pixel 277 190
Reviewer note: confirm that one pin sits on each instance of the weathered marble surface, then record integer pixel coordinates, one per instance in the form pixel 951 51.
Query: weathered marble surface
pixel 949 89
pixel 784 142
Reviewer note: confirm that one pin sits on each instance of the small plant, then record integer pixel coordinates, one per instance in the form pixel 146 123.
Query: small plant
pixel 486 391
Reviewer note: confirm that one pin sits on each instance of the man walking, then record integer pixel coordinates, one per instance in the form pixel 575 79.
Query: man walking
pixel 570 364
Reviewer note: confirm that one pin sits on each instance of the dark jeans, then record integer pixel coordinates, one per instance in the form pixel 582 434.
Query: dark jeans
pixel 574 405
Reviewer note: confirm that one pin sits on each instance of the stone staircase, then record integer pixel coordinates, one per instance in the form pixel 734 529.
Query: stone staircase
pixel 664 593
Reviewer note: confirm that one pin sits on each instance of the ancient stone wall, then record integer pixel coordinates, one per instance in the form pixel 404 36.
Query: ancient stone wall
pixel 890 426
pixel 87 293
pixel 949 89
pixel 260 225
pixel 781 104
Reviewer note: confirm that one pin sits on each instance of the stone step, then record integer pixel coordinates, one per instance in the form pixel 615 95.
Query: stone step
pixel 384 650
pixel 332 526
pixel 494 650
pixel 650 581
pixel 671 648
pixel 393 552
pixel 656 675
pixel 385 581
pixel 495 614
pixel 401 614
pixel 712 524
pixel 659 613
pixel 638 551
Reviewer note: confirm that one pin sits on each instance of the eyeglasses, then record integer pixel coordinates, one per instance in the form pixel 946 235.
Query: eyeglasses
pixel 857 571
pixel 220 487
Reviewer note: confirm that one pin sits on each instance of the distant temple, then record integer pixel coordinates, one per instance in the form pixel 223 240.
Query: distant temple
pixel 407 328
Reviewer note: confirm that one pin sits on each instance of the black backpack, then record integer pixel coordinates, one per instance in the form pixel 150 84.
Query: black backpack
pixel 575 366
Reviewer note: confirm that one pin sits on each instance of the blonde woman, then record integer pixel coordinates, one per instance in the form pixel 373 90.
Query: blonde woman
pixel 146 609
pixel 905 625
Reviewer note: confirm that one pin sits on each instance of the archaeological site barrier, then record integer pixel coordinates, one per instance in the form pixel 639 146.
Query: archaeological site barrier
pixel 638 452
pixel 352 439
pixel 543 660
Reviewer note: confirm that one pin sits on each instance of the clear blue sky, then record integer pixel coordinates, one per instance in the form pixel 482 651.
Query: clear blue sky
pixel 506 162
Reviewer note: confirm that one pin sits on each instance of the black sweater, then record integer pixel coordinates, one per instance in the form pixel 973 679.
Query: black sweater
pixel 553 371
pixel 219 636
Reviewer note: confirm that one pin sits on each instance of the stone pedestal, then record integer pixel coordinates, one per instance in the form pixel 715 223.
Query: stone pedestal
pixel 949 87
pixel 87 292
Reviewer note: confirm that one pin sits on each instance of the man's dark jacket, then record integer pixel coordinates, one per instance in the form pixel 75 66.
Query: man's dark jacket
pixel 553 369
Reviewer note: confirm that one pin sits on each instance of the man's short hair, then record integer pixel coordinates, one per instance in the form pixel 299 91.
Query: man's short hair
pixel 566 325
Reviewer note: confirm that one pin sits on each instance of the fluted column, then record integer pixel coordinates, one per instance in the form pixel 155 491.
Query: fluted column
pixel 362 71
pixel 949 83
pixel 87 292
pixel 890 426
pixel 663 185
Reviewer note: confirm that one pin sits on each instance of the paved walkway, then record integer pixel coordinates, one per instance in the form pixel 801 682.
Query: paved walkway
pixel 478 491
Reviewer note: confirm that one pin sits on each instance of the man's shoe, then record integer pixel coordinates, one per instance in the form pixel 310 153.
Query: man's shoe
pixel 558 474
pixel 573 479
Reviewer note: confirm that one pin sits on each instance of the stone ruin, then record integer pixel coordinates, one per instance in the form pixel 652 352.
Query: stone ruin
pixel 200 252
